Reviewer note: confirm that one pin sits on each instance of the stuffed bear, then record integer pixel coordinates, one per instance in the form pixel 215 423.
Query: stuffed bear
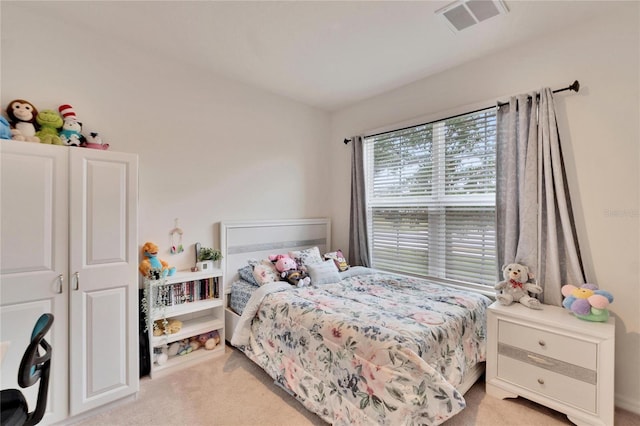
pixel 288 269
pixel 587 302
pixel 515 287
pixel 22 115
pixel 150 261
pixel 49 122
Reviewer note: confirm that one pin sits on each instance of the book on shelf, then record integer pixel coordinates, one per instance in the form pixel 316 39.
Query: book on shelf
pixel 185 292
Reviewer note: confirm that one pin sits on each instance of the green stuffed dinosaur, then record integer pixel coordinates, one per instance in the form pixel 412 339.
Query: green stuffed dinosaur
pixel 49 122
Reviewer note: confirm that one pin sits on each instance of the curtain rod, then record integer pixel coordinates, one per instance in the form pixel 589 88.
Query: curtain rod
pixel 575 86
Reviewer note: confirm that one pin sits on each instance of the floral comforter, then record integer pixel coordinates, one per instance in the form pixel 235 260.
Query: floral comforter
pixel 373 349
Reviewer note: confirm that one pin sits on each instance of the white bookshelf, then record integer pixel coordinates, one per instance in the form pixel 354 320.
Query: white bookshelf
pixel 198 310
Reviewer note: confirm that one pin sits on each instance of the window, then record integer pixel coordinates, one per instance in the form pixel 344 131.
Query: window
pixel 431 199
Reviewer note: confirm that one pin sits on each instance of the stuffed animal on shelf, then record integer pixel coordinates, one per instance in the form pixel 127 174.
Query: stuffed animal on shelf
pixel 150 261
pixel 287 267
pixel 181 347
pixel 49 122
pixel 587 302
pixel 516 288
pixel 170 326
pixel 22 115
pixel 160 355
pixel 70 135
pixel 209 340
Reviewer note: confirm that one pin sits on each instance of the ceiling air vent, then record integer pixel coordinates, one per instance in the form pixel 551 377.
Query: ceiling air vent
pixel 462 14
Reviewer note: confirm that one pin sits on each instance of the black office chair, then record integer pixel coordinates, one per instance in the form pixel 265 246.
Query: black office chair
pixel 33 367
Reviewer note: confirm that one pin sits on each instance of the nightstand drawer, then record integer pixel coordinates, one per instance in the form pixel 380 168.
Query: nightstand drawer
pixel 547 383
pixel 557 346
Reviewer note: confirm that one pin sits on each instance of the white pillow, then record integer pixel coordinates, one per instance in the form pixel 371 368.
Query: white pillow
pixel 323 273
pixel 307 256
pixel 356 270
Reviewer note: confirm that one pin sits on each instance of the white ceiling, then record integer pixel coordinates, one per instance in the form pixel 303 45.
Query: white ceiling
pixel 327 54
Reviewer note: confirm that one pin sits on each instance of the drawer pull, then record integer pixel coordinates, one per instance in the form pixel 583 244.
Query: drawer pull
pixel 539 360
pixel 542 343
pixel 541 381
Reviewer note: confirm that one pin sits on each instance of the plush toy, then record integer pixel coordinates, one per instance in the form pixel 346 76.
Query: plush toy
pixel 49 122
pixel 150 261
pixel 288 270
pixel 181 347
pixel 170 326
pixel 5 128
pixel 515 287
pixel 22 115
pixel 70 135
pixel 160 355
pixel 209 340
pixel 94 141
pixel 587 302
pixel 194 342
pixel 185 347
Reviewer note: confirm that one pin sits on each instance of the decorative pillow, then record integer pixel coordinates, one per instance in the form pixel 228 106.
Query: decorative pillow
pixel 356 270
pixel 323 273
pixel 339 260
pixel 307 256
pixel 265 272
pixel 246 274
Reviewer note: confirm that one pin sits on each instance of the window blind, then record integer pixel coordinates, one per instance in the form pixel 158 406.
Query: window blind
pixel 431 199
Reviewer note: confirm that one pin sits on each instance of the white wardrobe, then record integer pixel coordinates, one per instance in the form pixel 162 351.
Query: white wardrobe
pixel 69 225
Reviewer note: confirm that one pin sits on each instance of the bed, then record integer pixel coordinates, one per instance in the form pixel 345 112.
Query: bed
pixel 366 348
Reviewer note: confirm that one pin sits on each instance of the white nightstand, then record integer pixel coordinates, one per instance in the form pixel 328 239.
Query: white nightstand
pixel 553 358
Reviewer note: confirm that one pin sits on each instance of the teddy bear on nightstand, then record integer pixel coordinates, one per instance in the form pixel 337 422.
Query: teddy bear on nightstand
pixel 516 288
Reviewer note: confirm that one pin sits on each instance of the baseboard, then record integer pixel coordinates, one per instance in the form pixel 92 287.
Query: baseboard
pixel 627 404
pixel 94 412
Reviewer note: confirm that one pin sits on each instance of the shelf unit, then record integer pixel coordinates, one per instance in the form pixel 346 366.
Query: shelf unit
pixel 197 317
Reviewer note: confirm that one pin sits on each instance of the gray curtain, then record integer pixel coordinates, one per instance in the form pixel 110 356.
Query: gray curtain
pixel 358 243
pixel 535 224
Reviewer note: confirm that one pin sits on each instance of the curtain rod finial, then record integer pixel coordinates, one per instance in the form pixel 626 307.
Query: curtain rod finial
pixel 575 86
pixel 346 141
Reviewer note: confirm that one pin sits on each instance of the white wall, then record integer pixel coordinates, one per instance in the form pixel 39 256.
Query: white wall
pixel 600 129
pixel 209 149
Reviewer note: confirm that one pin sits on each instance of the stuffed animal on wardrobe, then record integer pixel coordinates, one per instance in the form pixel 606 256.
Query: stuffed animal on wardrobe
pixel 50 123
pixel 71 133
pixel 22 115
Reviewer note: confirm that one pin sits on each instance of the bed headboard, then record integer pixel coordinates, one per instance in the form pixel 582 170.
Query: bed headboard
pixel 243 240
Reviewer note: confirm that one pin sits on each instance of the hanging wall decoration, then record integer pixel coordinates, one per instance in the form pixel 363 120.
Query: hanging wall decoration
pixel 176 239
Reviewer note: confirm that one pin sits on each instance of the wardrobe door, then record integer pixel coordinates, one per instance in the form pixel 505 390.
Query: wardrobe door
pixel 33 262
pixel 103 277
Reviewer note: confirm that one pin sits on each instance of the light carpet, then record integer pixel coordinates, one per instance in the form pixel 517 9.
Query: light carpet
pixel 232 390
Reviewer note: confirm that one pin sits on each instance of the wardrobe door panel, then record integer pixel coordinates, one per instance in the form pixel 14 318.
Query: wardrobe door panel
pixel 104 259
pixel 34 261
